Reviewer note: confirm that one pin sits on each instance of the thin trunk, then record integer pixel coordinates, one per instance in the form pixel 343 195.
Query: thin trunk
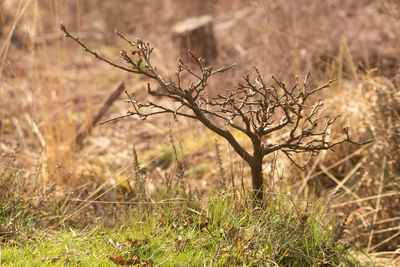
pixel 257 177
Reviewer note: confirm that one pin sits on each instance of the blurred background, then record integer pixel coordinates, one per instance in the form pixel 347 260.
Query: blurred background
pixel 50 87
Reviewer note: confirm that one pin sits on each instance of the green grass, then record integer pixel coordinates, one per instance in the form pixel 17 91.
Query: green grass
pixel 224 228
pixel 219 230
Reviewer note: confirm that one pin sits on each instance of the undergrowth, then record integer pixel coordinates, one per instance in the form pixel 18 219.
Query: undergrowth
pixel 16 188
pixel 222 228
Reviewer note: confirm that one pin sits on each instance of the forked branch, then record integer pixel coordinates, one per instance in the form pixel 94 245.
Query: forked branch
pixel 254 108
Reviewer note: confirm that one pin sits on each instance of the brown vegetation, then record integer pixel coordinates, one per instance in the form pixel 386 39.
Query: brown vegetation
pixel 49 88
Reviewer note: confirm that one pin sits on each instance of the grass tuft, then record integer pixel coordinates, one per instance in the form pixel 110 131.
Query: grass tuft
pixel 218 230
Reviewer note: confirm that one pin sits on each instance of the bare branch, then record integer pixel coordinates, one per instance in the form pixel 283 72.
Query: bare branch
pixel 96 55
pixel 256 109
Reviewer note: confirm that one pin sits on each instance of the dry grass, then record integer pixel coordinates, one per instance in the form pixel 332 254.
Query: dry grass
pixel 48 88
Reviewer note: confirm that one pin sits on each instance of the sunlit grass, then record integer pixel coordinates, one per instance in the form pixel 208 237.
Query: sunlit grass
pixel 219 230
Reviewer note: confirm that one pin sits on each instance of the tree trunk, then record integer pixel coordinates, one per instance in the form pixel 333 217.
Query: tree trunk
pixel 257 176
pixel 185 9
pixel 196 34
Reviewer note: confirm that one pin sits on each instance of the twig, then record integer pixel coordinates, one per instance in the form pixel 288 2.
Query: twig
pixel 96 55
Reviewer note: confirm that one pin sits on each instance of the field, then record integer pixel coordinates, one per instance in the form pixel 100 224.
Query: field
pixel 169 190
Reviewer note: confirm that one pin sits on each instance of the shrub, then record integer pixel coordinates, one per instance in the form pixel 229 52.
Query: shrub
pixel 253 108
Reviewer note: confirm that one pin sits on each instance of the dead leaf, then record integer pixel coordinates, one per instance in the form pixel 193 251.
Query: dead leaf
pixel 121 261
pixel 132 261
pixel 133 243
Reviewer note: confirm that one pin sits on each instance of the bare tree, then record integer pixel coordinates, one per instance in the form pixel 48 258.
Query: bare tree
pixel 253 108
